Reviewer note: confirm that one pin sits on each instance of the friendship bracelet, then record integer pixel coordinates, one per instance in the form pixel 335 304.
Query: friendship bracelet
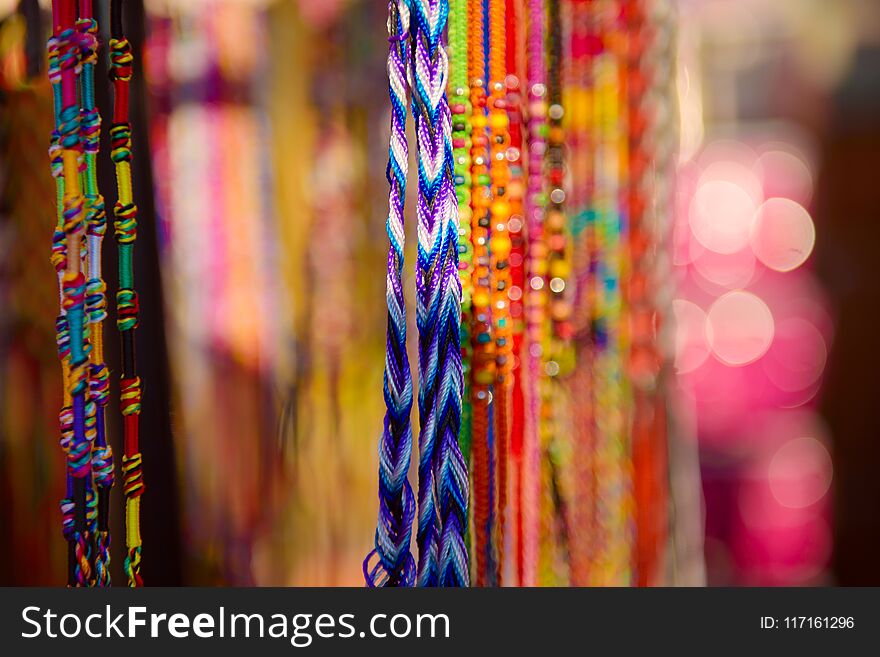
pixel 443 478
pixel 443 559
pixel 125 212
pixel 397 510
pixel 96 303
pixel 77 421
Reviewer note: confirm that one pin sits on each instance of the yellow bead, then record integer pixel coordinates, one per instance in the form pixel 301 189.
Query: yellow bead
pixel 500 209
pixel 560 269
pixel 560 310
pixel 481 299
pixel 498 121
pixel 479 120
pixel 555 221
pixel 499 245
pixel 484 377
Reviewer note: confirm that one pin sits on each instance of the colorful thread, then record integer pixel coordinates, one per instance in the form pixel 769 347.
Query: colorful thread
pixel 395 565
pixel 125 212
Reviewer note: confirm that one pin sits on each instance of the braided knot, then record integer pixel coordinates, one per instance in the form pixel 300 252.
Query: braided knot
pixel 79 458
pixel 62 336
pixel 127 309
pixel 73 215
pixel 83 563
pixel 120 142
pixel 99 384
pixel 74 286
pixel 90 129
pixel 67 518
pixel 96 300
pixel 58 256
pixel 65 421
pixel 97 217
pixel 68 51
pixel 132 482
pixel 126 222
pixel 102 466
pixel 55 159
pixel 133 567
pixel 69 127
pixel 102 559
pixel 91 419
pixel 120 60
pixel 54 48
pixel 88 40
pixel 130 396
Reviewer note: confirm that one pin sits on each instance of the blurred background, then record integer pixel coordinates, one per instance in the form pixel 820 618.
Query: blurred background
pixel 260 140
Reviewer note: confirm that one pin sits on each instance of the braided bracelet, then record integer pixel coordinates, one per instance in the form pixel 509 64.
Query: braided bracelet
pixel 395 565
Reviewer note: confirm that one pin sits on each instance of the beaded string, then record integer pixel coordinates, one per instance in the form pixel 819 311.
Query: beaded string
pixel 536 267
pixel 557 352
pixel 499 251
pixel 96 302
pixel 395 565
pixel 647 210
pixel 578 123
pixel 516 226
pixel 77 431
pixel 613 463
pixel 460 108
pixel 483 363
pixel 443 559
pixel 642 359
pixel 559 253
pixel 664 94
pixel 125 212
